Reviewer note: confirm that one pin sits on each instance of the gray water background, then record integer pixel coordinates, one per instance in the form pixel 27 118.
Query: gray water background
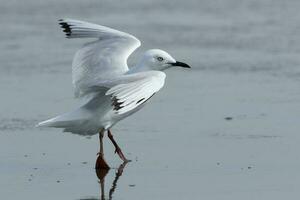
pixel 245 66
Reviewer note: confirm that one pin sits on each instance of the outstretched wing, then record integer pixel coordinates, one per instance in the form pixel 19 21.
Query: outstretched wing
pixel 99 60
pixel 127 92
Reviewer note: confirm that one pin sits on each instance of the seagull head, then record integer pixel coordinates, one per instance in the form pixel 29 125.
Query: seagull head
pixel 156 59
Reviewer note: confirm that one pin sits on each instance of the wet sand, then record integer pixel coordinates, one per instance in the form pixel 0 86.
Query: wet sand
pixel 227 129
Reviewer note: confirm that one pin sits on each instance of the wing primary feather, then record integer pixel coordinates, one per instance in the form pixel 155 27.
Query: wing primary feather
pixel 128 96
pixel 66 28
pixel 116 104
pixel 97 60
pixel 140 100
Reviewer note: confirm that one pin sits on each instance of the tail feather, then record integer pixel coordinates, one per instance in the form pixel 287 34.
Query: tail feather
pixel 79 126
pixel 82 121
pixel 48 122
pixel 67 119
pixel 58 122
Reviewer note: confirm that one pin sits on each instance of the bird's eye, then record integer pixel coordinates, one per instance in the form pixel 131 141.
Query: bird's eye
pixel 160 59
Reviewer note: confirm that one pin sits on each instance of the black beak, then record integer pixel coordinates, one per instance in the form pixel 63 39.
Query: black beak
pixel 180 64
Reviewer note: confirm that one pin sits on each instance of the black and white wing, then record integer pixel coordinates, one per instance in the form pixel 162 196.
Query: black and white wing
pixel 129 91
pixel 99 60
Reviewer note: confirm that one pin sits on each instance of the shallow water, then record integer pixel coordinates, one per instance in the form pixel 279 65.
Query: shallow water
pixel 227 129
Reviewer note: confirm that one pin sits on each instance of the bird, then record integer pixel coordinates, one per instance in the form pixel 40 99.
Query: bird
pixel 109 89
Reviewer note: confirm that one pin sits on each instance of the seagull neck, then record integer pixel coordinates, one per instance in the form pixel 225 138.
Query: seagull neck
pixel 138 68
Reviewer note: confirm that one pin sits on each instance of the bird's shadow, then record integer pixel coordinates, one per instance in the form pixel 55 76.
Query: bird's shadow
pixel 101 174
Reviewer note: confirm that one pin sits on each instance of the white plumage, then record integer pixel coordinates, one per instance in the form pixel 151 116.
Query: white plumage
pixel 101 75
pixel 103 58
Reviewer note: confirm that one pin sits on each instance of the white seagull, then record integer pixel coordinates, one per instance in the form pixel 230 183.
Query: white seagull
pixel 111 90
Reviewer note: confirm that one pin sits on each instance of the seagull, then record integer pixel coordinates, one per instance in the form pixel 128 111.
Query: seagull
pixel 111 91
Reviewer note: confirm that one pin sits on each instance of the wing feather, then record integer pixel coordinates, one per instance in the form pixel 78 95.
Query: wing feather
pixel 100 59
pixel 137 90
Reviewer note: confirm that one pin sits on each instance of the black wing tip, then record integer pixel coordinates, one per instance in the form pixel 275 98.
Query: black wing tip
pixel 66 27
pixel 116 104
pixel 140 100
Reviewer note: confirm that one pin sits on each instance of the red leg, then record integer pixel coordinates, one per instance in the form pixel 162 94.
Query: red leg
pixel 118 149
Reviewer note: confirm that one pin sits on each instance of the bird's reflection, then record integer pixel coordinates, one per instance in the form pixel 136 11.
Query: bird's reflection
pixel 101 173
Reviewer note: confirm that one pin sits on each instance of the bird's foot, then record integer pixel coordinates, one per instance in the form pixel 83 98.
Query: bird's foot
pixel 101 163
